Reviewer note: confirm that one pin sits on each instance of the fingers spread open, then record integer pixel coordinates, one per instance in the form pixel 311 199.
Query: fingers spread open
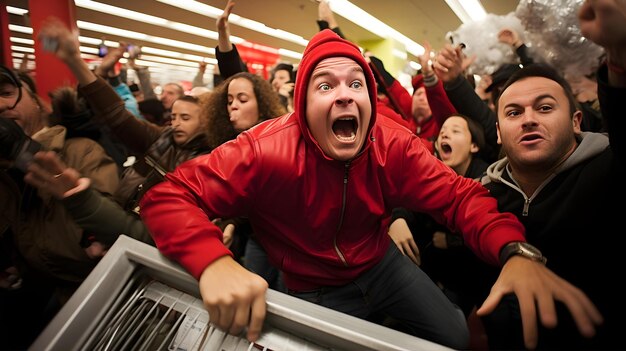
pixel 584 312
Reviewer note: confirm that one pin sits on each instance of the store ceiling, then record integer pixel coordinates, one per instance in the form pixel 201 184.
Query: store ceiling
pixel 419 20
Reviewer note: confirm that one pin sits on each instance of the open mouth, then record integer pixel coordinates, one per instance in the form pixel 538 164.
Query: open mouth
pixel 445 149
pixel 530 137
pixel 345 129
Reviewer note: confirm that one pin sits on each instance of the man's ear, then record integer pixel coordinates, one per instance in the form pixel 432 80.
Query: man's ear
pixel 576 121
pixel 499 141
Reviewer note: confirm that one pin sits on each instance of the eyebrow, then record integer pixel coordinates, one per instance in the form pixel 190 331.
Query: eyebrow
pixel 538 98
pixel 239 94
pixel 326 72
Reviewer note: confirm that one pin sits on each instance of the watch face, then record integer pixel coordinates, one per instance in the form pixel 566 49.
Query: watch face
pixel 531 252
pixel 523 249
pixel 529 249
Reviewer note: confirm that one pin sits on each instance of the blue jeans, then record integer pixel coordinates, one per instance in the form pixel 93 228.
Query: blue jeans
pixel 399 289
pixel 255 259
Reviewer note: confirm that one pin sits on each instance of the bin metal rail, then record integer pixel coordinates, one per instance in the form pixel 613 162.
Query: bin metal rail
pixel 136 299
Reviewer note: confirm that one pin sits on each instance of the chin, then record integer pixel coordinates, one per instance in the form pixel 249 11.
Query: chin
pixel 343 155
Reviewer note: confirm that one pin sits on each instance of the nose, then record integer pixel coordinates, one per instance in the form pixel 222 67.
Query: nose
pixel 529 118
pixel 234 105
pixel 343 97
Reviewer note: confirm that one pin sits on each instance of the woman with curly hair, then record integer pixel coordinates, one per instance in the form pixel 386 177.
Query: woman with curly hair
pixel 238 103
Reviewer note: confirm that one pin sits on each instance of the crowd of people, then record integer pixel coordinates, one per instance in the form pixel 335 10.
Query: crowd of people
pixel 333 183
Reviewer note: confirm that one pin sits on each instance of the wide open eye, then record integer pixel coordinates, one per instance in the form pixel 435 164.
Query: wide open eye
pixel 324 87
pixel 356 84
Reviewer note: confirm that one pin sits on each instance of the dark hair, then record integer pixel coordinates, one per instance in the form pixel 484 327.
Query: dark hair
pixel 201 116
pixel 486 151
pixel 65 103
pixel 152 110
pixel 188 98
pixel 134 87
pixel 501 75
pixel 70 110
pixel 26 78
pixel 545 71
pixel 21 79
pixel 7 76
pixel 476 131
pixel 283 67
pixel 220 129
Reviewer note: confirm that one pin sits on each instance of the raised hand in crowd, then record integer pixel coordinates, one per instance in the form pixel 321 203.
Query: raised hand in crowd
pixel 324 13
pixel 604 23
pixel 107 66
pixel 133 64
pixel 451 62
pixel 66 48
pixel 223 43
pixel 286 89
pixel 510 37
pixel 202 67
pixel 426 60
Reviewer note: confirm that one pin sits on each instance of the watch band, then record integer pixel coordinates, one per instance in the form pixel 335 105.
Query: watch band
pixel 522 249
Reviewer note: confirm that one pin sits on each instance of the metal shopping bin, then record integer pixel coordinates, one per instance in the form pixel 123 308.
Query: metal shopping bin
pixel 136 299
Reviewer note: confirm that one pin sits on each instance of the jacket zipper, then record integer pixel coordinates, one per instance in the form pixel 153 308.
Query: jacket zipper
pixel 527 200
pixel 526 205
pixel 343 208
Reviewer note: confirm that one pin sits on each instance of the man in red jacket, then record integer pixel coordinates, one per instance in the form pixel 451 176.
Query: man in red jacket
pixel 318 186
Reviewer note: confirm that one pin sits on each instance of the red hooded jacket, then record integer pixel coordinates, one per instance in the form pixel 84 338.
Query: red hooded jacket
pixel 322 222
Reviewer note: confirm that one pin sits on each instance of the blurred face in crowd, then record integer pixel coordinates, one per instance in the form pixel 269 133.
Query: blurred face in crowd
pixel 338 107
pixel 26 112
pixel 535 124
pixel 242 104
pixel 455 145
pixel 185 120
pixel 280 77
pixel 170 93
pixel 420 107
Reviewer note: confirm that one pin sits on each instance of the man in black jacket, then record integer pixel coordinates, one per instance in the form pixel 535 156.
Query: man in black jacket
pixel 563 185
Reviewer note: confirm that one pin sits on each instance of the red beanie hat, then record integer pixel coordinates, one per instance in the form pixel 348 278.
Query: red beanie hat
pixel 323 45
pixel 417 81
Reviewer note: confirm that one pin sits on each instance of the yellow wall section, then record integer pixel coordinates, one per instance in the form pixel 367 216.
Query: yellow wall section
pixel 383 49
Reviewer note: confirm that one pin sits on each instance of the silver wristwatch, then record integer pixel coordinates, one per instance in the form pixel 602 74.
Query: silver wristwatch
pixel 523 249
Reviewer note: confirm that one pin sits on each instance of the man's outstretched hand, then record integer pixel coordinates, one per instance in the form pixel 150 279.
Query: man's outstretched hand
pixel 234 297
pixel 537 288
